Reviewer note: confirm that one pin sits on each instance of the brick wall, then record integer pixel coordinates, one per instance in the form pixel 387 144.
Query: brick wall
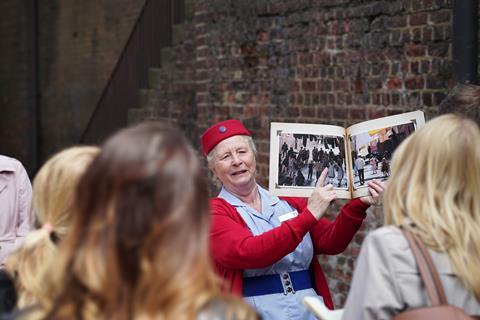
pixel 334 62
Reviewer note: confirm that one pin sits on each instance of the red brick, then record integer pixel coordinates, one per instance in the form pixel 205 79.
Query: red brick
pixel 324 85
pixel 394 83
pixel 376 112
pixel 307 112
pixel 340 85
pixel 418 18
pixel 438 49
pixel 324 112
pixel 414 50
pixel 293 112
pixel 414 83
pixel 396 22
pixel 440 16
pixel 415 67
pixel 308 86
pixel 295 86
pixel 339 113
pixel 358 114
pixel 437 81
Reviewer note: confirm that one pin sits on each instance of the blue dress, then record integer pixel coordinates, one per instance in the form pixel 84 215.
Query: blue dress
pixel 276 306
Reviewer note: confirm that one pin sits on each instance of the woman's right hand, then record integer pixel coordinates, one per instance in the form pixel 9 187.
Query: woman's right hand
pixel 321 197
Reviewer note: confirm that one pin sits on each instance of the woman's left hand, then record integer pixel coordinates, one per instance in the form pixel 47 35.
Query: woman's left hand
pixel 376 188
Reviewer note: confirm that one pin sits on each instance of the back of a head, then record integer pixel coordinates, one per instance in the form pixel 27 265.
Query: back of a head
pixel 55 184
pixel 463 100
pixel 139 240
pixel 435 183
pixel 53 191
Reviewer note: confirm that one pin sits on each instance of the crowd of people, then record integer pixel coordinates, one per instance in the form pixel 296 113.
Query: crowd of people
pixel 127 231
pixel 303 165
pixel 368 168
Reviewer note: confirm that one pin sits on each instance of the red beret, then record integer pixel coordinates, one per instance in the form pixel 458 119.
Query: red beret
pixel 221 131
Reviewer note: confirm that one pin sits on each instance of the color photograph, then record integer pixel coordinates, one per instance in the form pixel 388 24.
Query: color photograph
pixel 372 152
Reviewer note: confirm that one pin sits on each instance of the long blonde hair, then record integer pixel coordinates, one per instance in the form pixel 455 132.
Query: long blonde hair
pixel 138 246
pixel 53 192
pixel 435 184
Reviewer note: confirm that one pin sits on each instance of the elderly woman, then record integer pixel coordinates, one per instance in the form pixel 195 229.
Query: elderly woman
pixel 263 246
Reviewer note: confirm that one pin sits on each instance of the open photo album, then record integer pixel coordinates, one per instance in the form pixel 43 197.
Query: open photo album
pixel 299 152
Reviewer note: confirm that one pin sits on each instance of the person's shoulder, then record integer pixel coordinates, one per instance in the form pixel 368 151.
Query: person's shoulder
pixel 217 201
pixel 9 164
pixel 389 238
pixel 386 232
pixel 220 206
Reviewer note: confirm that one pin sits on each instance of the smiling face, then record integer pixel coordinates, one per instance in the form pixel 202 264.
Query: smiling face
pixel 234 164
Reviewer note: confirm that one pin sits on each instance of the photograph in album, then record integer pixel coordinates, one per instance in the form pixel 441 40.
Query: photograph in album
pixel 303 156
pixel 374 148
pixel 299 152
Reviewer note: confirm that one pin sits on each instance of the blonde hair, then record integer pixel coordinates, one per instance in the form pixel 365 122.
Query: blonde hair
pixel 435 183
pixel 53 192
pixel 138 244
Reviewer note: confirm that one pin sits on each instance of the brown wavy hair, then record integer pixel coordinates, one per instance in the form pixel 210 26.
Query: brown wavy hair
pixel 138 247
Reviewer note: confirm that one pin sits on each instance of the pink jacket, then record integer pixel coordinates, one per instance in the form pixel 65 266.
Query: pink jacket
pixel 16 216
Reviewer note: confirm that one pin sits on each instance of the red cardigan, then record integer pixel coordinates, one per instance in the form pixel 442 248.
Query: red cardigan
pixel 234 248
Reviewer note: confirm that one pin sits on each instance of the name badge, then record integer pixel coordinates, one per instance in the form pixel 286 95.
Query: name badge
pixel 288 216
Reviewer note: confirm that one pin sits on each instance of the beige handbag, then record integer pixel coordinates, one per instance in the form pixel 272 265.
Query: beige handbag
pixel 439 309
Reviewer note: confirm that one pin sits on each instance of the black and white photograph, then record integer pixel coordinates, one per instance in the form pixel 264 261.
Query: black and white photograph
pixel 302 158
pixel 372 152
pixel 299 153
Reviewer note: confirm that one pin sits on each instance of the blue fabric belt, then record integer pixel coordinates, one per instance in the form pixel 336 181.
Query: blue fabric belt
pixel 287 282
